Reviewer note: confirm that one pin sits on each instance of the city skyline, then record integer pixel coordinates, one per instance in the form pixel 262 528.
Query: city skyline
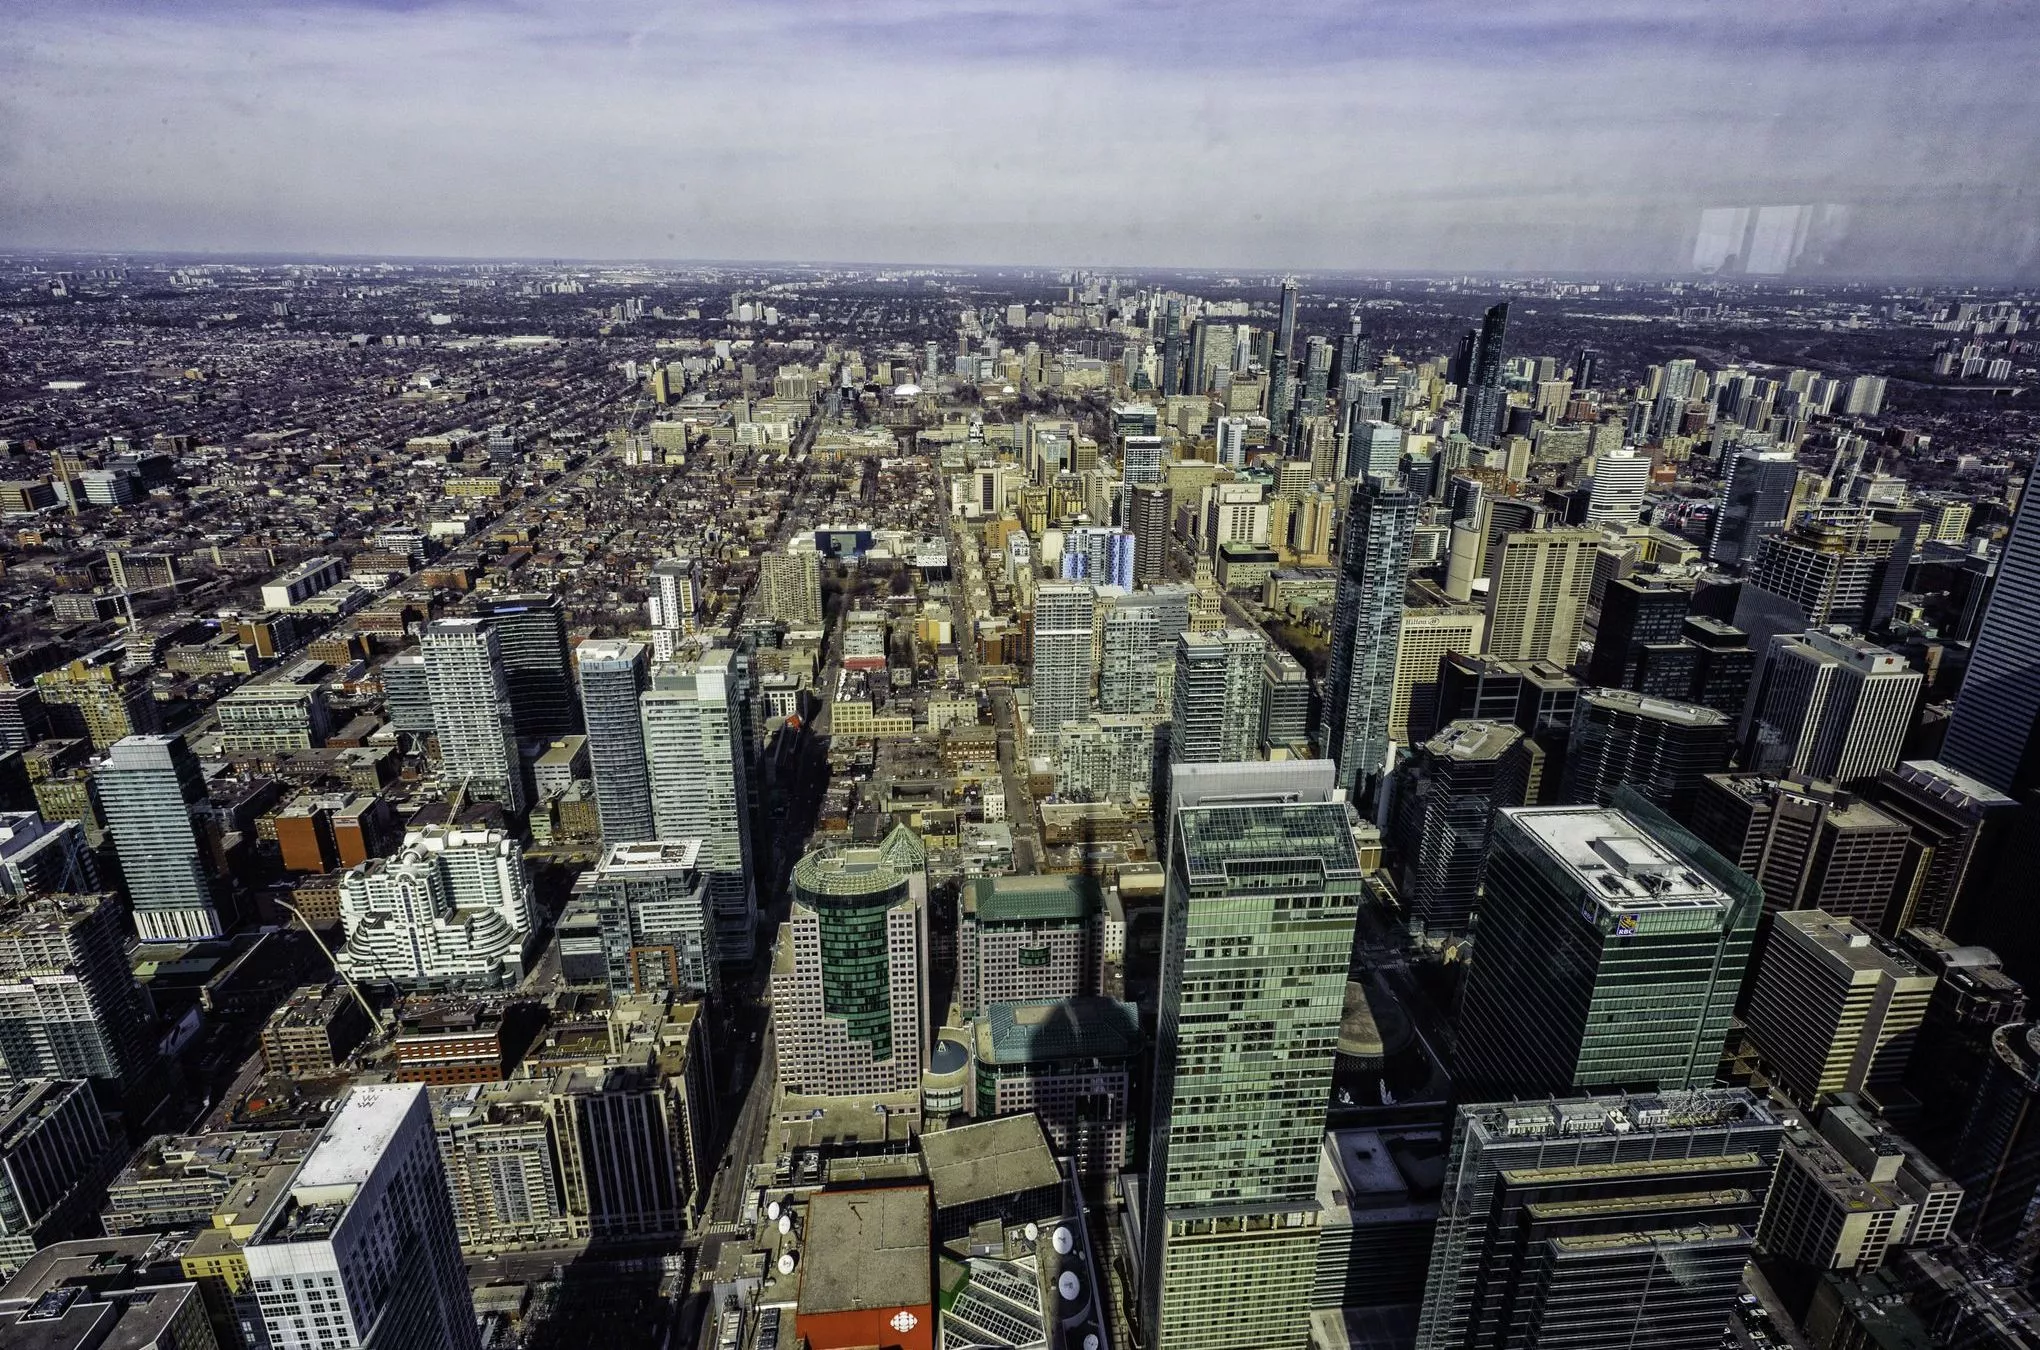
pixel 1606 139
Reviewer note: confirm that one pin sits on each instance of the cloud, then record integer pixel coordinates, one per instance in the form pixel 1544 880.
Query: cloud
pixel 1533 136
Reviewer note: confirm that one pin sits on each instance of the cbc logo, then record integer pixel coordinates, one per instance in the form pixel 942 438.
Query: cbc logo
pixel 904 1321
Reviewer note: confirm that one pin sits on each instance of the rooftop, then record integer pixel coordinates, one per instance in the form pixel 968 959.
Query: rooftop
pixel 1004 1156
pixel 1615 863
pixel 1037 1033
pixel 1021 899
pixel 867 1250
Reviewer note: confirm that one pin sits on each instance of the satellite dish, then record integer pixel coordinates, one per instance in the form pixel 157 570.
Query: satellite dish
pixel 786 1263
pixel 1033 1231
pixel 772 1210
pixel 786 1223
pixel 1069 1286
pixel 1091 1342
pixel 1063 1241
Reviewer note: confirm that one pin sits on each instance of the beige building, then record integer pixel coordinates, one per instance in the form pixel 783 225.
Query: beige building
pixel 1537 594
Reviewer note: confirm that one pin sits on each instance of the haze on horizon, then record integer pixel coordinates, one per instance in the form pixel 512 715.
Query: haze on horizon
pixel 1547 135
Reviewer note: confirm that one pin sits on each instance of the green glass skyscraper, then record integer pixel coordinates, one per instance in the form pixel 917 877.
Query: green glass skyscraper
pixel 1264 880
pixel 1608 950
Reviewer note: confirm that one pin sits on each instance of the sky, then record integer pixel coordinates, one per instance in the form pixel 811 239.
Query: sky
pixel 1428 135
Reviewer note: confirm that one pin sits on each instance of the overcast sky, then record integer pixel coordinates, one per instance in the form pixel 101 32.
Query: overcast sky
pixel 1518 135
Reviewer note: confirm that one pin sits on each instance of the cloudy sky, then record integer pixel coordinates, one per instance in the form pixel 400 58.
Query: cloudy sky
pixel 1424 134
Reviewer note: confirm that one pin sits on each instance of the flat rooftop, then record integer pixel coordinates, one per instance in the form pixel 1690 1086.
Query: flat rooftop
pixel 661 856
pixel 992 1158
pixel 1613 861
pixel 867 1250
pixel 358 1135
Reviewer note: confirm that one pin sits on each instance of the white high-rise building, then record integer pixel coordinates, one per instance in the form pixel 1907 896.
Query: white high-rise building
pixel 361 1251
pixel 674 607
pixel 1231 435
pixel 1065 614
pixel 452 907
pixel 1216 701
pixel 614 674
pixel 1831 706
pixel 1374 450
pixel 151 792
pixel 1621 477
pixel 471 709
pixel 698 769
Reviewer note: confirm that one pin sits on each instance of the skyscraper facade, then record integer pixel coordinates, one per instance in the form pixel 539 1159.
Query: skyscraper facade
pixel 615 673
pixel 531 635
pixel 1994 733
pixel 362 1250
pixel 1756 498
pixel 1537 594
pixel 471 709
pixel 1366 628
pixel 1446 801
pixel 790 587
pixel 1216 712
pixel 1150 505
pixel 1831 706
pixel 1263 884
pixel 1609 948
pixel 69 1005
pixel 1660 749
pixel 1621 478
pixel 698 768
pixel 1482 402
pixel 152 796
pixel 1064 616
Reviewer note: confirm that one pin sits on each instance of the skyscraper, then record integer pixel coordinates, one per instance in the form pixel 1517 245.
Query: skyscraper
pixel 1621 478
pixel 361 1250
pixel 1150 505
pixel 1217 695
pixel 1101 555
pixel 1374 450
pixel 614 676
pixel 674 606
pixel 1598 1221
pixel 1994 733
pixel 1446 800
pixel 658 929
pixel 1609 948
pixel 849 980
pixel 1064 616
pixel 1482 403
pixel 698 769
pixel 69 1005
pixel 1285 701
pixel 1366 627
pixel 1756 498
pixel 1810 845
pixel 790 587
pixel 152 796
pixel 531 636
pixel 471 709
pixel 1831 706
pixel 1958 824
pixel 1263 882
pixel 1635 614
pixel 1660 749
pixel 1537 594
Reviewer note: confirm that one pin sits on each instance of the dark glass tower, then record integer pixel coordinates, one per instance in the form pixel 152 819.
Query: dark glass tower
pixel 1994 734
pixel 531 632
pixel 1367 631
pixel 1481 400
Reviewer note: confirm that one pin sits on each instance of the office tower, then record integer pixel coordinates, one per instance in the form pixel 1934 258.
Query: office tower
pixel 1428 636
pixel 1958 827
pixel 1809 845
pixel 614 676
pixel 1374 450
pixel 1994 734
pixel 1374 563
pixel 1611 945
pixel 1906 520
pixel 1100 555
pixel 1756 500
pixel 658 926
pixel 1446 800
pixel 531 638
pixel 1229 434
pixel 1621 478
pixel 1317 374
pixel 23 721
pixel 54 1148
pixel 1828 568
pixel 1028 939
pixel 1141 457
pixel 1482 401
pixel 1833 1008
pixel 1559 1221
pixel 1659 748
pixel 1217 695
pixel 1065 614
pixel 1285 702
pixel 407 693
pixel 790 587
pixel 1997 1159
pixel 39 857
pixel 849 980
pixel 1172 348
pixel 95 702
pixel 1586 368
pixel 1071 1062
pixel 1150 506
pixel 1675 387
pixel 1831 706
pixel 471 709
pixel 362 1249
pixel 153 797
pixel 1285 321
pixel 1635 614
pixel 1263 884
pixel 1825 1215
pixel 1537 595
pixel 69 1005
pixel 673 609
pixel 698 767
pixel 1710 663
pixel 1972 998
pixel 452 908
